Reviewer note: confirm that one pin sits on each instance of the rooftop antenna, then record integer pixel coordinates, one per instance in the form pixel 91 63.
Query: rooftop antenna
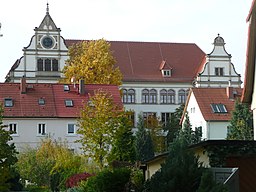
pixel 1 35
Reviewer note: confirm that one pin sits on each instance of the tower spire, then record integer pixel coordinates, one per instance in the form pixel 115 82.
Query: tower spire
pixel 47 8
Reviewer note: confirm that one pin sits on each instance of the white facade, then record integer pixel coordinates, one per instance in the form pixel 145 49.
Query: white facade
pixel 28 134
pixel 211 130
pixel 218 71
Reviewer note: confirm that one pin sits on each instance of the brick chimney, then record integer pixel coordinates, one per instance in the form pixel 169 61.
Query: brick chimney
pixel 23 85
pixel 230 92
pixel 81 87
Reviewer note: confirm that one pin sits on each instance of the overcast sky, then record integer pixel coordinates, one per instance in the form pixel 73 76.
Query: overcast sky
pixel 180 21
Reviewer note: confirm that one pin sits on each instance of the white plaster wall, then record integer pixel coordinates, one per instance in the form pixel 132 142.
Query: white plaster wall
pixel 27 134
pixel 217 130
pixel 253 104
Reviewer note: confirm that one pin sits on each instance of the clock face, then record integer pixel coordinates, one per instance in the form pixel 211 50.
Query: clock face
pixel 47 42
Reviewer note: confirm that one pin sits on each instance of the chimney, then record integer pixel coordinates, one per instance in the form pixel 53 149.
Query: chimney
pixel 23 85
pixel 81 87
pixel 230 92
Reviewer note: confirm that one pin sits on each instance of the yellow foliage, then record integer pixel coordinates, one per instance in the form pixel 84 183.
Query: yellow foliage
pixel 92 61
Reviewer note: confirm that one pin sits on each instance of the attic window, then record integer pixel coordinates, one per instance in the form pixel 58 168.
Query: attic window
pixel 66 88
pixel 41 101
pixel 8 102
pixel 218 108
pixel 166 73
pixel 69 103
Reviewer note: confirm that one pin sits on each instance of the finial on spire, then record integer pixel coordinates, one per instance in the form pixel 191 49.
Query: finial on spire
pixel 47 8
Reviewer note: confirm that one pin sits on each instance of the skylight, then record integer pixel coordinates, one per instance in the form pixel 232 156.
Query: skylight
pixel 66 88
pixel 8 102
pixel 41 101
pixel 218 108
pixel 69 103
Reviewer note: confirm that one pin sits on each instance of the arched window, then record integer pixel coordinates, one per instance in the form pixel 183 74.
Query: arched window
pixel 163 96
pixel 145 96
pixel 131 96
pixel 153 96
pixel 124 95
pixel 182 96
pixel 171 96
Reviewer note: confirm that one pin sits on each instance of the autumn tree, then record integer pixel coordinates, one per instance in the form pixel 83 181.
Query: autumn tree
pixel 241 127
pixel 7 156
pixel 99 121
pixel 92 61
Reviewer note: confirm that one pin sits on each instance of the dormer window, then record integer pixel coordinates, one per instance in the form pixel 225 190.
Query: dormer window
pixel 8 102
pixel 218 108
pixel 166 73
pixel 69 103
pixel 41 101
pixel 66 88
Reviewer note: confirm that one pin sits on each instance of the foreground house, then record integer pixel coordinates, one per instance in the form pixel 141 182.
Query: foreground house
pixel 34 111
pixel 211 110
pixel 250 69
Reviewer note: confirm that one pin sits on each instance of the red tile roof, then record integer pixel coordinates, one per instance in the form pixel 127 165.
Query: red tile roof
pixel 207 96
pixel 139 61
pixel 26 105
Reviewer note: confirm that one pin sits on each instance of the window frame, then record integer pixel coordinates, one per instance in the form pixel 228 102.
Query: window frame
pixel 41 129
pixel 74 128
pixel 219 71
pixel 69 103
pixel 8 102
pixel 182 96
pixel 145 96
pixel 10 125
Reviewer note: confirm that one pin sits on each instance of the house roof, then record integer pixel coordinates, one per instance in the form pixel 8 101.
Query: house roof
pixel 250 56
pixel 140 61
pixel 207 96
pixel 26 105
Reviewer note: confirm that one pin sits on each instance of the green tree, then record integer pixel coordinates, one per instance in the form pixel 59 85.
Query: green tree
pixel 92 61
pixel 49 165
pixel 99 121
pixel 241 126
pixel 123 141
pixel 181 171
pixel 143 143
pixel 173 125
pixel 7 156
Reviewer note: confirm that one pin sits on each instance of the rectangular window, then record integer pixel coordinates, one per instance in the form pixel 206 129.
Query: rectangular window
pixel 66 87
pixel 41 129
pixel 40 65
pixel 69 103
pixel 8 102
pixel 149 119
pixel 71 128
pixel 55 65
pixel 219 71
pixel 47 64
pixel 13 128
pixel 132 118
pixel 166 73
pixel 165 118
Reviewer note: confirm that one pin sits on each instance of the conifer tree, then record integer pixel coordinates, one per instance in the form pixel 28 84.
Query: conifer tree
pixel 241 127
pixel 7 156
pixel 143 143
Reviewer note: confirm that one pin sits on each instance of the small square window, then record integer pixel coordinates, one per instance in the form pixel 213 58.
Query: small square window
pixel 166 73
pixel 71 128
pixel 66 87
pixel 69 103
pixel 8 102
pixel 41 101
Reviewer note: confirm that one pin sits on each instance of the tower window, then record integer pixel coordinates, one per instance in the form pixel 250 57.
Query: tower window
pixel 219 71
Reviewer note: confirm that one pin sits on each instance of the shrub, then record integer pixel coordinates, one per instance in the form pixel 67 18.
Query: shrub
pixel 108 181
pixel 74 180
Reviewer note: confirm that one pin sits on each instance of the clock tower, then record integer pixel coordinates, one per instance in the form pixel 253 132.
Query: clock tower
pixel 44 58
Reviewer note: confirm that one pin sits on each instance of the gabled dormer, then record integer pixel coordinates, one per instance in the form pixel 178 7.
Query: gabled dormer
pixel 218 70
pixel 165 69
